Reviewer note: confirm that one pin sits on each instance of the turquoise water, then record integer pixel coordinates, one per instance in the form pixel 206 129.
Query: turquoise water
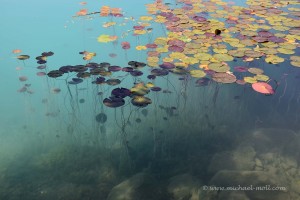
pixel 190 140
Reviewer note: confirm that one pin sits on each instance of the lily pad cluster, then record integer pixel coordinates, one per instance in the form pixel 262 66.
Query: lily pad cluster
pixel 212 34
pixel 102 73
pixel 204 40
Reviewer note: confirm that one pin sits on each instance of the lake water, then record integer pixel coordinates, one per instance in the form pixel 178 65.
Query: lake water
pixel 150 100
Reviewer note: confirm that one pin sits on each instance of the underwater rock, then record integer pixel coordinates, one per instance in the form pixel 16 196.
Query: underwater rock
pixel 226 178
pixel 276 162
pixel 268 158
pixel 107 173
pixel 232 178
pixel 288 163
pixel 258 165
pixel 65 190
pixel 140 186
pixel 184 186
pixel 295 185
pixel 233 195
pixel 292 148
pixel 223 195
pixel 283 166
pixel 271 139
pixel 240 159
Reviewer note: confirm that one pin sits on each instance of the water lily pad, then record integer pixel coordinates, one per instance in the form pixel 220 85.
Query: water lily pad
pixel 249 79
pixel 255 70
pixel 197 73
pixel 218 67
pixel 224 77
pixel 273 59
pixel 261 77
pixel 223 57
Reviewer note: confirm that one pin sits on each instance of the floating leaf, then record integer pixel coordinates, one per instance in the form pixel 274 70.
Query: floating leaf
pixel 223 57
pixel 285 51
pixel 295 63
pixel 273 59
pixel 106 38
pixel 139 48
pixel 224 77
pixel 23 57
pixel 263 88
pixel 197 73
pixel 255 70
pixel 249 79
pixel 261 77
pixel 218 67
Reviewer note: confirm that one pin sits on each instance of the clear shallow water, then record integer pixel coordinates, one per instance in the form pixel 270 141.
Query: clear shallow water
pixel 53 147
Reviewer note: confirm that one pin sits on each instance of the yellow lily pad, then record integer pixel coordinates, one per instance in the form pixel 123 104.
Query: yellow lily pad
pixel 255 70
pixel 203 56
pixel 140 47
pixel 285 51
pixel 261 77
pixel 249 79
pixel 197 73
pixel 295 63
pixel 273 59
pixel 218 67
pixel 220 50
pixel 146 18
pixel 223 57
pixel 295 58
